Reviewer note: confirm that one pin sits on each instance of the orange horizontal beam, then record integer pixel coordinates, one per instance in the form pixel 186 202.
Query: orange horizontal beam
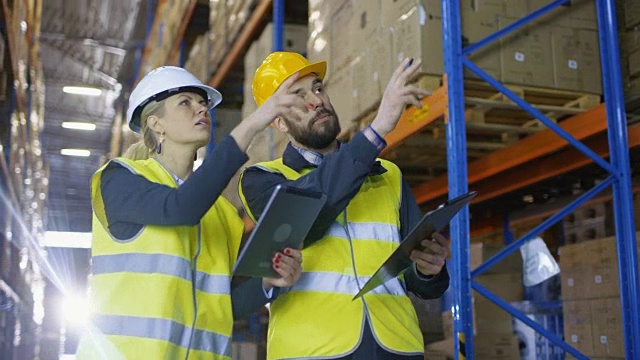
pixel 249 29
pixel 545 142
pixel 183 27
pixel 558 164
pixel 496 223
pixel 413 120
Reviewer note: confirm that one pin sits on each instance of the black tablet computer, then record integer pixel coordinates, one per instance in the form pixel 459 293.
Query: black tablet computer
pixel 285 222
pixel 399 261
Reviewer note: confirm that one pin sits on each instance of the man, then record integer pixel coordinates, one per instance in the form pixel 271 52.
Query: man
pixel 369 209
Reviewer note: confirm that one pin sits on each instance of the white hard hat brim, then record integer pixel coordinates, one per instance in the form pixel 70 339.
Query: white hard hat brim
pixel 213 95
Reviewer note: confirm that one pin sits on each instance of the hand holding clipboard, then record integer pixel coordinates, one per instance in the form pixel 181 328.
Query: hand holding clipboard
pixel 400 260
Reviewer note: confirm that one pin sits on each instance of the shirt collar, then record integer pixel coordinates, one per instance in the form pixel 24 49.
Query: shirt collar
pixel 313 157
pixel 294 159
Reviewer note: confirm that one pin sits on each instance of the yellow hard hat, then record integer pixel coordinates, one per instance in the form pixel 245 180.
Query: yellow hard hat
pixel 277 67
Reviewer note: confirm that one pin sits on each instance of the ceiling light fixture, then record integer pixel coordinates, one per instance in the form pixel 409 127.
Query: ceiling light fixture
pixel 75 152
pixel 78 125
pixel 82 90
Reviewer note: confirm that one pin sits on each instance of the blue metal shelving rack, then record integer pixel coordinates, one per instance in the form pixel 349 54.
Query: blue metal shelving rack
pixel 618 167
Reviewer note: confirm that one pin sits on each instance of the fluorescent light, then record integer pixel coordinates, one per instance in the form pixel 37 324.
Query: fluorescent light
pixel 82 90
pixel 78 125
pixel 75 152
pixel 67 239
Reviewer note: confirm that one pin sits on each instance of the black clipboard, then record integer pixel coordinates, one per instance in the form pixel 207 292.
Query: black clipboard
pixel 285 222
pixel 399 261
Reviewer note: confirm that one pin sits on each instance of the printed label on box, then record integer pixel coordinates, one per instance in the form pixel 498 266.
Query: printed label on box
pixel 519 57
pixel 603 339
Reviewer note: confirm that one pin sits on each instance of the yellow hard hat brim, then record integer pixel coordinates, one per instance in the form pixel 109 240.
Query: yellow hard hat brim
pixel 319 68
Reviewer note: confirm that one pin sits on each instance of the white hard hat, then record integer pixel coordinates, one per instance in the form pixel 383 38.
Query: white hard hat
pixel 161 83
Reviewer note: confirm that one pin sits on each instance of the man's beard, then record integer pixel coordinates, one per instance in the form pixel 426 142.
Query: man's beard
pixel 319 138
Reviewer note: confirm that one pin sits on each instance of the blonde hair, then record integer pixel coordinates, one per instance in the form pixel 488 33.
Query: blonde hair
pixel 148 142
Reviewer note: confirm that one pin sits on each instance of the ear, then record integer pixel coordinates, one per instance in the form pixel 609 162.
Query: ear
pixel 153 122
pixel 281 125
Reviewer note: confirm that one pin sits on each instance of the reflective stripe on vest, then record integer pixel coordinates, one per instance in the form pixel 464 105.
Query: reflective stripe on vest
pixel 344 284
pixel 163 329
pixel 366 230
pixel 161 264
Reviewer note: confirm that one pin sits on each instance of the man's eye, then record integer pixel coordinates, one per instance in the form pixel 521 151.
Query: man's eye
pixel 319 90
pixel 204 103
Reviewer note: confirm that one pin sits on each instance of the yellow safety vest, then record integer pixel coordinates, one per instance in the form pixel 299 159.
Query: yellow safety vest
pixel 317 317
pixel 164 293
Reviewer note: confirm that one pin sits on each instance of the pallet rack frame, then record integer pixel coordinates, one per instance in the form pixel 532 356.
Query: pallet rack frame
pixel 618 167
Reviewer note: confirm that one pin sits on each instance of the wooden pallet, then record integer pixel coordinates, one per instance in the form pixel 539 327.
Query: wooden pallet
pixel 493 122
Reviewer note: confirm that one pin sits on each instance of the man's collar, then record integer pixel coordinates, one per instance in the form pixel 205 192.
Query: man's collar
pixel 293 159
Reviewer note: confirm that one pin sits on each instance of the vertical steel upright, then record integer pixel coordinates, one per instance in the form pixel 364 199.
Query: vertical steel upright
pixel 618 167
pixel 622 193
pixel 278 44
pixel 457 170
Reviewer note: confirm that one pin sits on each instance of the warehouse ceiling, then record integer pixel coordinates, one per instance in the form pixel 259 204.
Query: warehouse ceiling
pixel 84 43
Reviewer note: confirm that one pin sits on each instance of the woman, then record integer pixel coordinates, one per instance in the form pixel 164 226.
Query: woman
pixel 164 240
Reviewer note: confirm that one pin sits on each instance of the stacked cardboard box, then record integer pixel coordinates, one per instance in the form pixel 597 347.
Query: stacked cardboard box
pixel 493 329
pixel 591 298
pixel 226 19
pixel 559 51
pixel 197 63
pixel 162 40
pixel 629 35
pixel 585 223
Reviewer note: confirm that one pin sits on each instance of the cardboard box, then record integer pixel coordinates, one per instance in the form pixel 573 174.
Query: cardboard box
pixel 435 355
pixel 574 283
pixel 392 10
pixel 527 57
pixel 341 45
pixel 365 25
pixel 487 346
pixel 487 316
pixel 340 89
pixel 606 322
pixel 480 252
pixel 294 39
pixel 577 325
pixel 631 9
pixel 479 21
pixel 576 14
pixel 633 61
pixel 318 48
pixel 588 232
pixel 371 74
pixel 603 282
pixel 418 34
pixel 576 58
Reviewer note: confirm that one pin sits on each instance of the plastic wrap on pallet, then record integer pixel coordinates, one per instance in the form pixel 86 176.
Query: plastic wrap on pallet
pixel 534 346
